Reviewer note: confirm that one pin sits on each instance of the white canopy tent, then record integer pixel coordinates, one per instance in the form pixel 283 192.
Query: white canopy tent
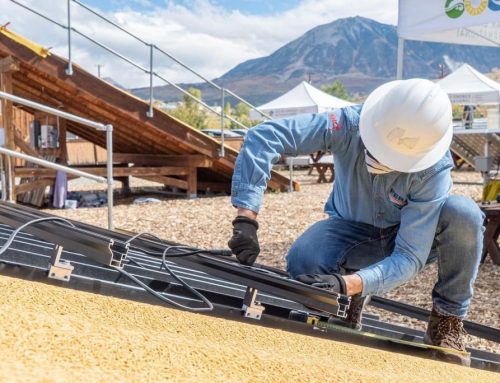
pixel 304 98
pixel 471 22
pixel 466 86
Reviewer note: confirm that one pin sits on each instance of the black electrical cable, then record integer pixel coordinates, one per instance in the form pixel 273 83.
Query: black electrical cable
pixel 11 238
pixel 209 304
pixel 165 255
pixel 193 250
pixel 209 307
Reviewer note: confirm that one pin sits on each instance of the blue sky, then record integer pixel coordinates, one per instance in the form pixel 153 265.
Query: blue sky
pixel 211 36
pixel 250 7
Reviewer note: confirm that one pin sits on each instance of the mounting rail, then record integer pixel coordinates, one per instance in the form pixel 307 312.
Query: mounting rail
pixel 29 255
pixel 83 238
pixel 100 248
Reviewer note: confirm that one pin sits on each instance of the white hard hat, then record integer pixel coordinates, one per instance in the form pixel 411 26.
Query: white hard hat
pixel 407 124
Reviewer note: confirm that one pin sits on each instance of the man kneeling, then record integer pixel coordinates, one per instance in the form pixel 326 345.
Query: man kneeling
pixel 390 211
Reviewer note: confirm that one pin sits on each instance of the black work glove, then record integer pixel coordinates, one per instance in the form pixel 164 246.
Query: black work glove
pixel 334 282
pixel 244 242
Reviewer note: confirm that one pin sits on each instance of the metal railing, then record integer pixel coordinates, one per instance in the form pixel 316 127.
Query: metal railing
pixel 150 70
pixel 71 117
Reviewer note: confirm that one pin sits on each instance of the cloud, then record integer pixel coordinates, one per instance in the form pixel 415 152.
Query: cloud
pixel 207 37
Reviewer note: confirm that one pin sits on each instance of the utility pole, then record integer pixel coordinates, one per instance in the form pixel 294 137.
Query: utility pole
pixel 99 66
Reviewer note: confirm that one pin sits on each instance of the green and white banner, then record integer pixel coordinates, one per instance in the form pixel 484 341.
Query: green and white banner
pixel 473 22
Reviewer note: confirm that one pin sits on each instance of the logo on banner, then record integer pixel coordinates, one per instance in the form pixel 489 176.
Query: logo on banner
pixel 494 5
pixel 455 8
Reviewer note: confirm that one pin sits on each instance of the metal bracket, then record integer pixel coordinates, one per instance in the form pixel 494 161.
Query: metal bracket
pixel 343 302
pixel 251 308
pixel 119 253
pixel 59 269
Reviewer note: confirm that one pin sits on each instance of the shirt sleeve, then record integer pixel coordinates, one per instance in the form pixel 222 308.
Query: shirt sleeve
pixel 419 220
pixel 267 142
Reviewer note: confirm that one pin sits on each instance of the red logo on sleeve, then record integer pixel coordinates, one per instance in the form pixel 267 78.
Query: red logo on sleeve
pixel 335 122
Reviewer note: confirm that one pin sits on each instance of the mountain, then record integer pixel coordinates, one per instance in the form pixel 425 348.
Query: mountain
pixel 358 51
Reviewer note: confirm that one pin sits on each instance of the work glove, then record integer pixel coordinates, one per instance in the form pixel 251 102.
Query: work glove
pixel 244 242
pixel 332 282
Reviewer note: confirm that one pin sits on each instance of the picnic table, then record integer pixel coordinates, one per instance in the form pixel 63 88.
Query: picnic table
pixel 492 224
pixel 322 162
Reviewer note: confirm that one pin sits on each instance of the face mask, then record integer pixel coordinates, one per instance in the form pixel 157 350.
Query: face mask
pixel 374 166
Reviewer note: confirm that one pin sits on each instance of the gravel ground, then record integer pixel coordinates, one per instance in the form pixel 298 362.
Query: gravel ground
pixel 206 222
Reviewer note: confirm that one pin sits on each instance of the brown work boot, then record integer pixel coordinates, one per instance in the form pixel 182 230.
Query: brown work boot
pixel 447 332
pixel 354 313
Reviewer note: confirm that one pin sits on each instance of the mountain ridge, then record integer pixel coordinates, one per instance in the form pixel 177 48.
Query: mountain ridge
pixel 358 51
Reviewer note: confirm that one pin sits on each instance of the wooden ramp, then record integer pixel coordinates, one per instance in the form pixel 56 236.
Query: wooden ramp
pixel 161 148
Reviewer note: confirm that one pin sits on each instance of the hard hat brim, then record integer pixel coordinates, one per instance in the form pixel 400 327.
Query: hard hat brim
pixel 387 156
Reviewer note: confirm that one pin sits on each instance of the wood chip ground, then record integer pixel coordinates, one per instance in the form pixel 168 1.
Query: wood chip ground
pixel 206 222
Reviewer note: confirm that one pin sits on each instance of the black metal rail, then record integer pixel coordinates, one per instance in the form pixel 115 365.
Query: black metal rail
pixel 472 328
pixel 98 247
pixel 33 254
pixel 260 278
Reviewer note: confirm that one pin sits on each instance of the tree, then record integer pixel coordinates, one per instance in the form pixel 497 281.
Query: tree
pixel 227 109
pixel 337 89
pixel 242 115
pixel 189 111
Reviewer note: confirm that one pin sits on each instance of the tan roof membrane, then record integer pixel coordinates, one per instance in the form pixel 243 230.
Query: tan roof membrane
pixel 53 334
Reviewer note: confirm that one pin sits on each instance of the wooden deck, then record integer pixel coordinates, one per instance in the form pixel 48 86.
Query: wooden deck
pixel 160 143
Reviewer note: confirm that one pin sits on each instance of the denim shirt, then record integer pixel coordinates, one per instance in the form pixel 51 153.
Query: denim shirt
pixel 411 200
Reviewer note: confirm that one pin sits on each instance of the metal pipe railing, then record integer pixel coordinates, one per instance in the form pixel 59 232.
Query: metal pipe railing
pixel 38 14
pixel 222 112
pixel 69 70
pixel 110 50
pixel 48 164
pixel 151 70
pixel 263 114
pixel 70 117
pixel 70 29
pixel 110 22
pixel 3 183
pixel 55 112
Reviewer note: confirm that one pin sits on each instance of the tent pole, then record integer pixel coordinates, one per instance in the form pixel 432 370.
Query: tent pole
pixel 401 48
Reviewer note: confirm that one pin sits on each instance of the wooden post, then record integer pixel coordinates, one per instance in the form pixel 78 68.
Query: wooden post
pixel 7 66
pixel 126 191
pixel 63 147
pixel 192 180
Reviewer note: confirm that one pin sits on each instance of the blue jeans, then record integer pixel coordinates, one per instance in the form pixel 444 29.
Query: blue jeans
pixel 338 246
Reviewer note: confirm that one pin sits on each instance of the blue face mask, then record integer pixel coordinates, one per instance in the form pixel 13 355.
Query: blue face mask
pixel 375 167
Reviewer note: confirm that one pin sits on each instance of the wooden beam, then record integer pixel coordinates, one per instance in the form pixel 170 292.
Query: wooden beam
pixel 9 64
pixel 6 122
pixel 192 179
pixel 117 172
pixel 25 147
pixel 29 186
pixel 62 141
pixel 88 96
pixel 169 181
pixel 189 160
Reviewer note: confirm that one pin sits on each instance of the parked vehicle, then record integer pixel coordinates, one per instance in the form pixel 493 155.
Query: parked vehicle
pixel 241 132
pixel 217 133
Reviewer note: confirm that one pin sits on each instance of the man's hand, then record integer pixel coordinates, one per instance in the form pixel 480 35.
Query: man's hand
pixel 332 282
pixel 244 242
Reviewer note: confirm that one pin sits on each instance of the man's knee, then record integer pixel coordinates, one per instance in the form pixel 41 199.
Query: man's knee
pixel 462 216
pixel 296 260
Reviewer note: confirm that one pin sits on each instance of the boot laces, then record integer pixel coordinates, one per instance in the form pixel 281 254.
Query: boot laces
pixel 451 330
